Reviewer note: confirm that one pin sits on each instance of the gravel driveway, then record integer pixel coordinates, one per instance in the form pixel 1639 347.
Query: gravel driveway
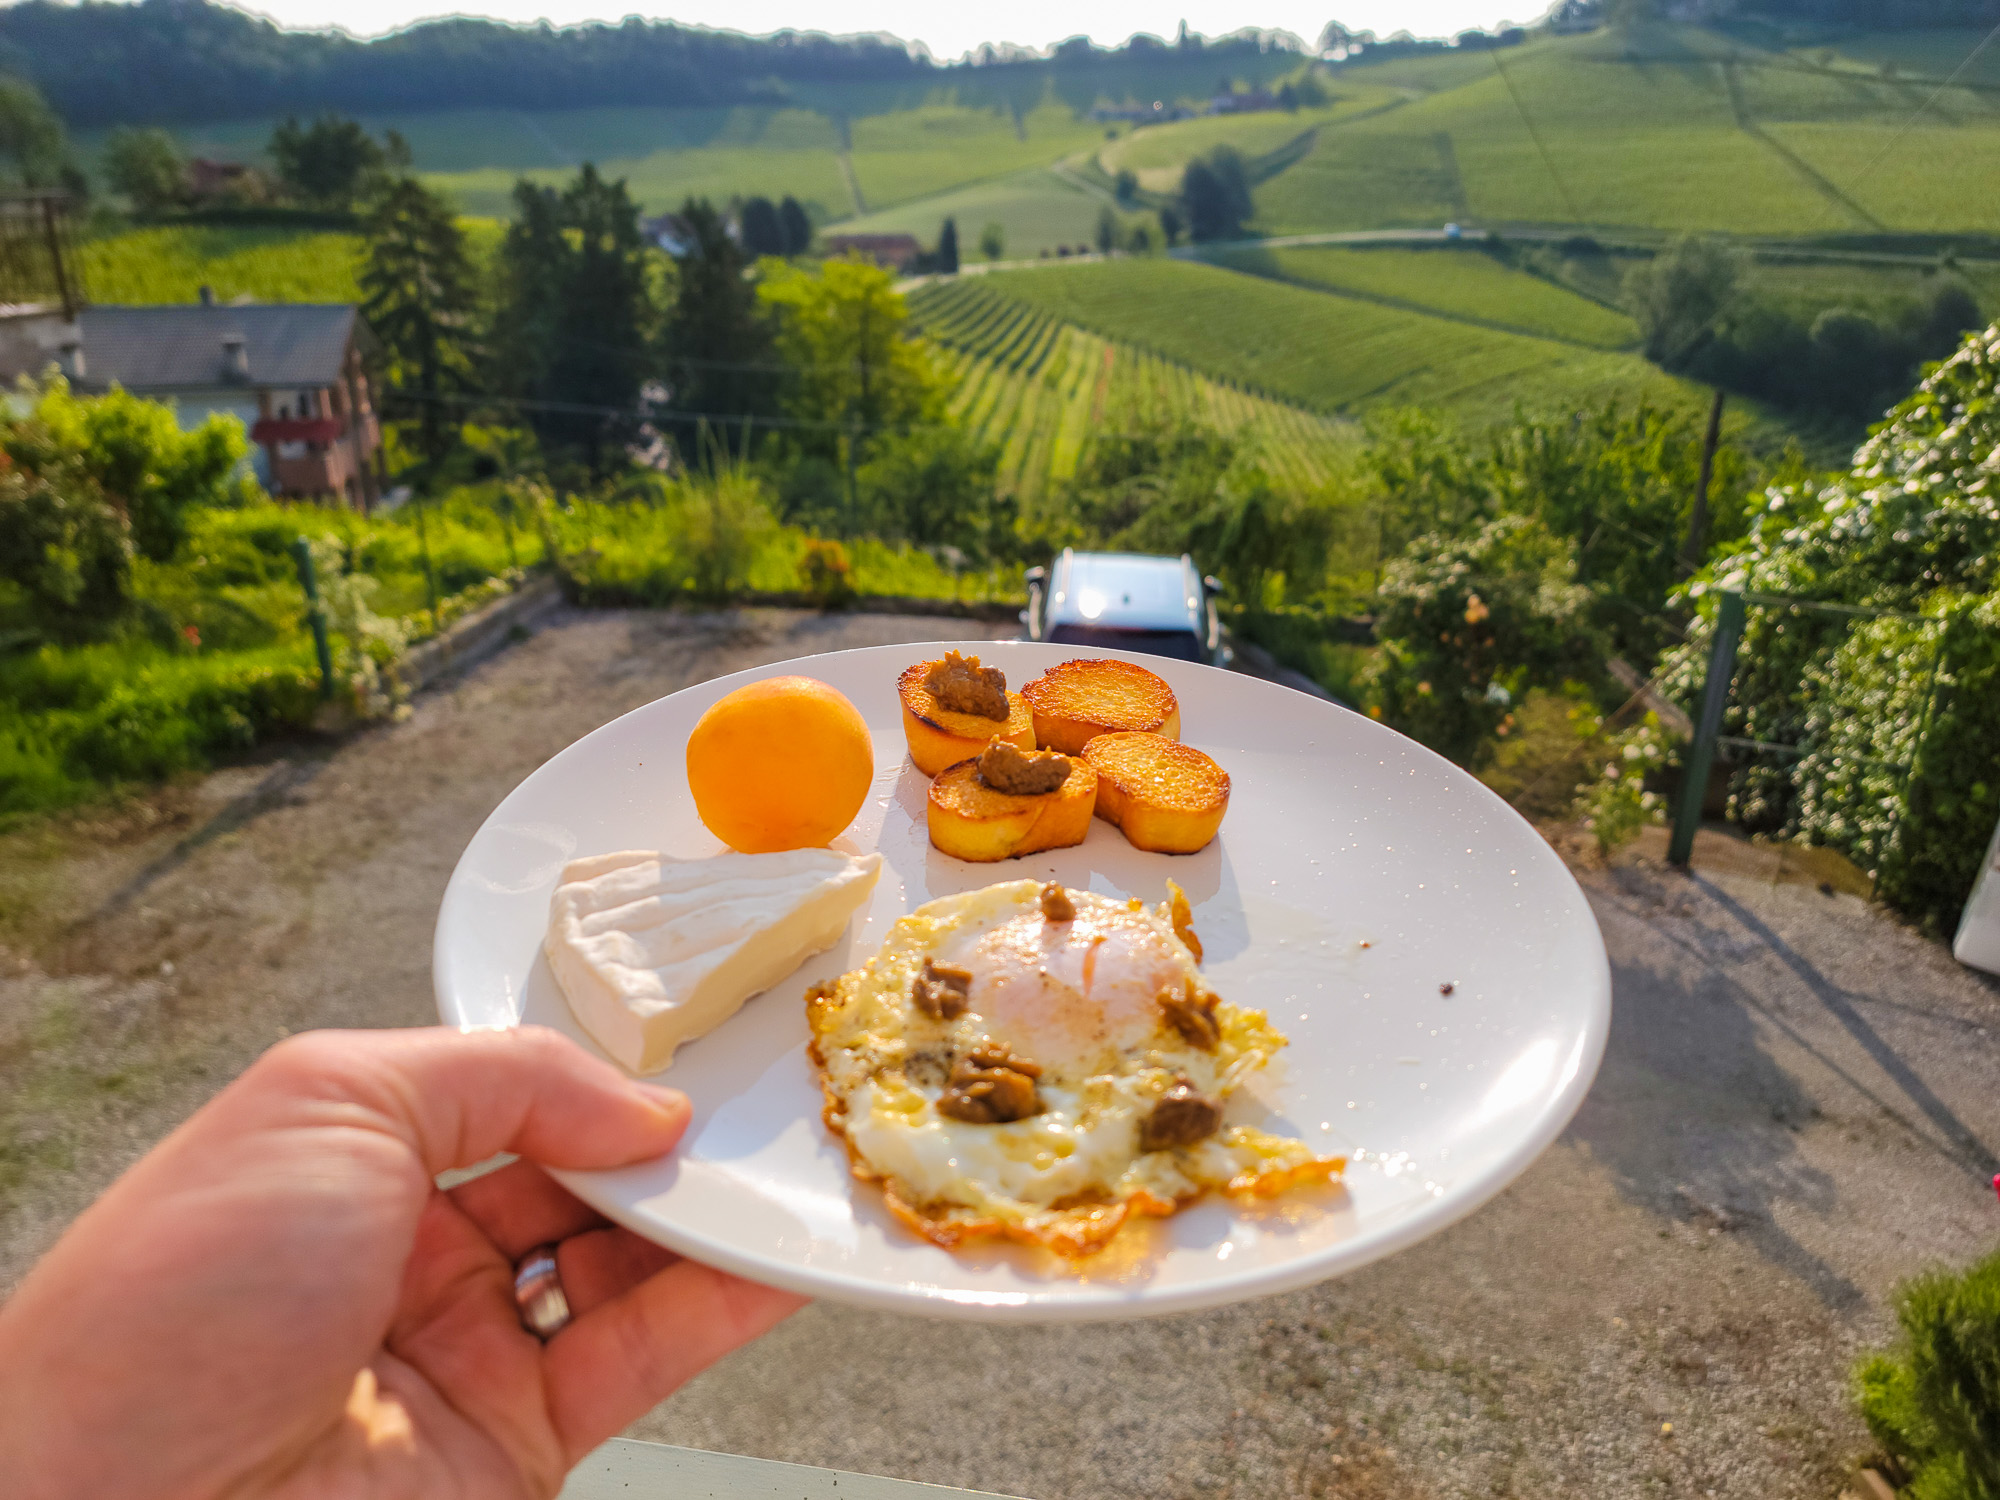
pixel 1797 1108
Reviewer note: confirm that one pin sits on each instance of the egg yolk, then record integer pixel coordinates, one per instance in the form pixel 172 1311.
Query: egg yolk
pixel 1070 995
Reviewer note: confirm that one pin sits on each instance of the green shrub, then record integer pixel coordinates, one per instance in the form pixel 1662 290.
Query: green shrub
pixel 1913 527
pixel 1933 1402
pixel 1468 624
pixel 113 714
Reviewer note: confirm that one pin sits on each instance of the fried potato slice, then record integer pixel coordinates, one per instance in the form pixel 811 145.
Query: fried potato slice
pixel 939 737
pixel 1164 796
pixel 970 820
pixel 1079 700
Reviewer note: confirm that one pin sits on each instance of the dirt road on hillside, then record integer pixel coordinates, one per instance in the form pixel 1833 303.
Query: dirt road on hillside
pixel 1796 1109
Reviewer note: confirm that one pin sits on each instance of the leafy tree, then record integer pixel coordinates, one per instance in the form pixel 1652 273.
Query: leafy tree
pixel 933 487
pixel 31 137
pixel 1467 624
pixel 87 481
pixel 857 374
pixel 993 240
pixel 1215 195
pixel 136 455
pixel 798 227
pixel 763 231
pixel 947 249
pixel 146 166
pixel 719 360
pixel 1126 185
pixel 1170 225
pixel 1108 234
pixel 1678 295
pixel 419 300
pixel 328 163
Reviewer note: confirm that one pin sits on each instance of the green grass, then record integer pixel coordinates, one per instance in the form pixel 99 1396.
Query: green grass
pixel 1157 153
pixel 1041 391
pixel 916 153
pixel 1037 209
pixel 1332 353
pixel 1666 128
pixel 216 657
pixel 172 264
pixel 1458 283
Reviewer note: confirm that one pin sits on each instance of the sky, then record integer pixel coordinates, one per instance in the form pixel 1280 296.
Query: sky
pixel 948 30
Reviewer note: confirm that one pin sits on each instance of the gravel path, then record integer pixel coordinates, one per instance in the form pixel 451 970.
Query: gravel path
pixel 1796 1109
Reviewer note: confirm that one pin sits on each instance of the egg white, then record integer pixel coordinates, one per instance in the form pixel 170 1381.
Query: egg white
pixel 1077 998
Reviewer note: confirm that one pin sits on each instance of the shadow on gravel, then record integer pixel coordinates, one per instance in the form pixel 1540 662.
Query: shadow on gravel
pixel 280 785
pixel 1690 1113
pixel 1960 1145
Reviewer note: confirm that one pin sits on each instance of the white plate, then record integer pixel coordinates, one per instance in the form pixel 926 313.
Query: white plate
pixel 1355 875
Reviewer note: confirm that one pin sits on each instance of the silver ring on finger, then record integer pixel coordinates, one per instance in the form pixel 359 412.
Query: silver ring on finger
pixel 538 1293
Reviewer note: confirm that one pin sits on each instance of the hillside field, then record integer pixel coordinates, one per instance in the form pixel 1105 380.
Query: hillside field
pixel 1327 351
pixel 173 264
pixel 1041 390
pixel 1464 283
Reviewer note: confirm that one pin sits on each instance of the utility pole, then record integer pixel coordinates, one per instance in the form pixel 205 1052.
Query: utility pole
pixel 1696 545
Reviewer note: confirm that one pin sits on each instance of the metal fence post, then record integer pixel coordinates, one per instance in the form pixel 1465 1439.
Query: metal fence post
pixel 1714 699
pixel 315 614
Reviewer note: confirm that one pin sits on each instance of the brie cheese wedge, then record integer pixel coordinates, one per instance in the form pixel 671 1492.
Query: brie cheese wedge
pixel 652 951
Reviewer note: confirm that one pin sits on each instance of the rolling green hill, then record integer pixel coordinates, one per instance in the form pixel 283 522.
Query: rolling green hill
pixel 1036 210
pixel 1463 283
pixel 1660 128
pixel 1330 352
pixel 1042 390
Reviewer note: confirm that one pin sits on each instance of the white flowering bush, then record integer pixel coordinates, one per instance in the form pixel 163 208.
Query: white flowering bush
pixel 367 645
pixel 1617 804
pixel 1903 777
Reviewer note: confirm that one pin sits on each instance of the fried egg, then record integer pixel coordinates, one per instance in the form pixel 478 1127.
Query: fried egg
pixel 1039 1064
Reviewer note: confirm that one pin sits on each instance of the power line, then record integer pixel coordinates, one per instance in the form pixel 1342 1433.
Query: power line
pixel 1536 136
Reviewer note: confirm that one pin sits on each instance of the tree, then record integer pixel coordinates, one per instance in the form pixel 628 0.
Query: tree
pixel 328 163
pixel 419 300
pixel 1126 185
pixel 578 319
pixel 932 487
pixel 31 137
pixel 527 317
pixel 717 337
pixel 857 375
pixel 763 231
pixel 993 240
pixel 1677 296
pixel 87 481
pixel 947 250
pixel 1215 195
pixel 798 227
pixel 134 453
pixel 146 166
pixel 1170 225
pixel 610 315
pixel 1107 230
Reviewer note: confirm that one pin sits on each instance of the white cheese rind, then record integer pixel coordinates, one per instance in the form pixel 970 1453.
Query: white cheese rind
pixel 652 951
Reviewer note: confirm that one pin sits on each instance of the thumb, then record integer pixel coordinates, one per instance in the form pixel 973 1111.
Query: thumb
pixel 459 1097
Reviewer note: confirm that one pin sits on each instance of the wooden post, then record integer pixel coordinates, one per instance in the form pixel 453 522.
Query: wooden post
pixel 1696 545
pixel 1701 753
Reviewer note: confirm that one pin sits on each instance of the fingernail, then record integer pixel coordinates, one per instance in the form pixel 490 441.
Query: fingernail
pixel 662 1098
